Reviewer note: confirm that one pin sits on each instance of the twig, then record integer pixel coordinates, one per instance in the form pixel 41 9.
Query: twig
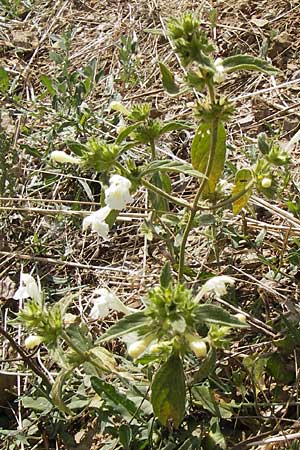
pixel 26 358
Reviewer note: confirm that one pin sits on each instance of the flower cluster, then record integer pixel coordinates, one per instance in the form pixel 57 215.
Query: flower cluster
pixel 117 195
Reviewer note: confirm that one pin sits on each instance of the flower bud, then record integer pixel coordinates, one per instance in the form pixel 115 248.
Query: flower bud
pixel 135 349
pixel 198 346
pixel 241 317
pixel 33 341
pixel 63 157
pixel 266 182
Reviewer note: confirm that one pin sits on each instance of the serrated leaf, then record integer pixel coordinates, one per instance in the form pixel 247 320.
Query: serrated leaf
pixel 209 313
pixel 200 152
pixel 166 275
pixel 56 391
pixel 117 398
pixel 168 392
pixel 248 62
pixel 128 324
pixel 242 178
pixel 168 165
pixel 168 80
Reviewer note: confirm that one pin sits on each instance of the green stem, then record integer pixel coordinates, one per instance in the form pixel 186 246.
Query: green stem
pixel 165 195
pixel 211 156
pixel 153 149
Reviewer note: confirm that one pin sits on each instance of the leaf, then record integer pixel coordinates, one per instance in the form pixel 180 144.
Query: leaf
pixel 56 391
pixel 77 148
pixel 168 165
pixel 247 62
pixel 215 438
pixel 168 80
pixel 117 398
pixel 48 83
pixel 242 178
pixel 126 132
pixel 104 357
pixel 174 125
pixel 205 397
pixel 168 392
pixel 80 337
pixel 4 80
pixel 125 436
pixel 166 275
pixel 208 313
pixel 38 404
pixel 207 366
pixel 128 324
pixel 162 181
pixel 200 152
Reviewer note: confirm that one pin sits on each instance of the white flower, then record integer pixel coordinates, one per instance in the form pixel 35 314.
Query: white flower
pixel 117 195
pixel 266 182
pixel 216 285
pixel 33 341
pixel 241 317
pixel 106 301
pixel 219 75
pixel 198 346
pixel 63 157
pixel 137 348
pixel 96 221
pixel 28 288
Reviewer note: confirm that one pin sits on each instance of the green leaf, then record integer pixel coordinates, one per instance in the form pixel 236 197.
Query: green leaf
pixel 174 125
pixel 128 324
pixel 48 83
pixel 126 132
pixel 205 397
pixel 56 57
pixel 209 313
pixel 242 178
pixel 200 152
pixel 215 439
pixel 56 391
pixel 168 80
pixel 247 62
pixel 117 398
pixel 168 392
pixel 165 276
pixel 4 80
pixel 38 404
pixel 168 165
pixel 77 148
pixel 125 436
pixel 207 366
pixel 80 337
pixel 104 357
